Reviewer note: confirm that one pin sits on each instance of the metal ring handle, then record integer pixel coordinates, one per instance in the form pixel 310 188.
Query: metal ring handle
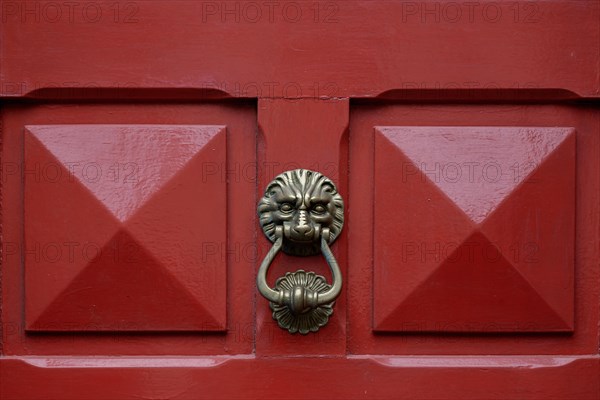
pixel 298 299
pixel 261 279
pixel 336 275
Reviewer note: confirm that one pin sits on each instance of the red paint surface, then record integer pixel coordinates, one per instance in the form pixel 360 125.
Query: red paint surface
pixel 150 83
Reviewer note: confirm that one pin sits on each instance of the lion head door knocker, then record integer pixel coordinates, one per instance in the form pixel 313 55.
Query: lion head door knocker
pixel 302 214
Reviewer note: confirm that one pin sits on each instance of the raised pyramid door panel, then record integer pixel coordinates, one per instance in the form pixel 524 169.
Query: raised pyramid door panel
pixel 445 258
pixel 117 243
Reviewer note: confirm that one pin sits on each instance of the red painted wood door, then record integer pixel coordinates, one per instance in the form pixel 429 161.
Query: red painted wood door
pixel 138 137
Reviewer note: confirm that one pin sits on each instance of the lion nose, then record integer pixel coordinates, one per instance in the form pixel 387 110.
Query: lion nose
pixel 302 229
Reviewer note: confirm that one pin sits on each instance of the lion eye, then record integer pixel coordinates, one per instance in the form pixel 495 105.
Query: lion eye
pixel 319 209
pixel 286 207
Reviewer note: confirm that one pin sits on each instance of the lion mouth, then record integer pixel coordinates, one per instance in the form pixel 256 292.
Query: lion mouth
pixel 301 233
pixel 308 236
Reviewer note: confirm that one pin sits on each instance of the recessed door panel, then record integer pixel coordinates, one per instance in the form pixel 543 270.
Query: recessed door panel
pixel 121 231
pixel 468 229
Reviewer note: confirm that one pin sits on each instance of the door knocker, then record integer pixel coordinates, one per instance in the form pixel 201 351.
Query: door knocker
pixel 302 213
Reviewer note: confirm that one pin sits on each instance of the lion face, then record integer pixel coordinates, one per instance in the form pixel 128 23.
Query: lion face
pixel 303 202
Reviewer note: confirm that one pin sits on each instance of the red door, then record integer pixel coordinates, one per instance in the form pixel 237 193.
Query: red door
pixel 138 138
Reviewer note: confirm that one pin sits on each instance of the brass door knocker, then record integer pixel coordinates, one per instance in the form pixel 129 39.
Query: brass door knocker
pixel 302 213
